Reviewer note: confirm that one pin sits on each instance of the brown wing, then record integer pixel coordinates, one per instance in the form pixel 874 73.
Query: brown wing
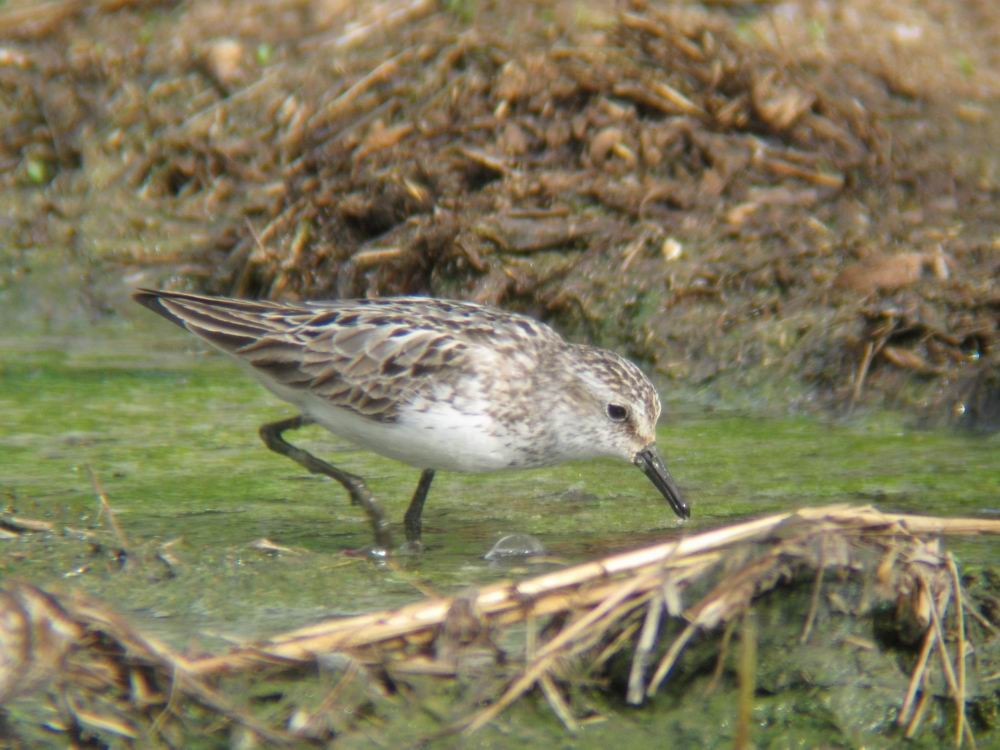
pixel 368 367
pixel 370 356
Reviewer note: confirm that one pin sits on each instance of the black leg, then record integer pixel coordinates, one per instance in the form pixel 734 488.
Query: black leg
pixel 412 518
pixel 271 434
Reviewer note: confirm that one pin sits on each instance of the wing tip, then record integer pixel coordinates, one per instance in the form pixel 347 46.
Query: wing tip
pixel 153 300
pixel 209 318
pixel 145 296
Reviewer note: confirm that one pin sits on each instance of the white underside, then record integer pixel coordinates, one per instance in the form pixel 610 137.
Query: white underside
pixel 439 438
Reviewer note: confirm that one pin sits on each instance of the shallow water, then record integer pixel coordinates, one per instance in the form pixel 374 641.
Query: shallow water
pixel 169 431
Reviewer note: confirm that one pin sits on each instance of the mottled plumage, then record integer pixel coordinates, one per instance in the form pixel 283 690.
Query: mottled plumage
pixel 435 383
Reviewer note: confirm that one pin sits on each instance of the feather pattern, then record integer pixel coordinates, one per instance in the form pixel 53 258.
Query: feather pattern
pixel 368 356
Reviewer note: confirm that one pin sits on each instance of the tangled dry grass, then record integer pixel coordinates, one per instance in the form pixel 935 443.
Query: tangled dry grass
pixel 643 608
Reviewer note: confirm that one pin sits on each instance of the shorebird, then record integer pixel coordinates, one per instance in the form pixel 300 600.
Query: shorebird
pixel 437 384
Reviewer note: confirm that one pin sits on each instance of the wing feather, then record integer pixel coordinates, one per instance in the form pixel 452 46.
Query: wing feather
pixel 369 356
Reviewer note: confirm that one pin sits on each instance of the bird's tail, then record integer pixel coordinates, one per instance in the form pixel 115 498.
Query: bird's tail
pixel 228 324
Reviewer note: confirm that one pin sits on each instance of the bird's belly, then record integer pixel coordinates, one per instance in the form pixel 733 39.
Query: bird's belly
pixel 431 434
pixel 438 439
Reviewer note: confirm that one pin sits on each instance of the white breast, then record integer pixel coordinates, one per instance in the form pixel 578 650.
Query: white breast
pixel 428 435
pixel 450 431
pixel 438 438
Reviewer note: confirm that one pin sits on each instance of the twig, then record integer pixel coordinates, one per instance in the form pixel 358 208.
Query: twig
pixel 814 601
pixel 746 680
pixel 558 703
pixel 382 72
pixel 956 585
pixel 949 672
pixel 365 259
pixel 862 372
pixel 530 637
pixel 918 715
pixel 645 646
pixel 994 630
pixel 615 646
pixel 871 349
pixel 106 509
pixel 916 678
pixel 785 169
pixel 669 658
pixel 720 659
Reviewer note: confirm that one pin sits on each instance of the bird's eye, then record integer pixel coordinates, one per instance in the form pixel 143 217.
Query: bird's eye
pixel 617 413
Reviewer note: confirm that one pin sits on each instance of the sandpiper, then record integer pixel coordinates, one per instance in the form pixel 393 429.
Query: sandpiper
pixel 437 384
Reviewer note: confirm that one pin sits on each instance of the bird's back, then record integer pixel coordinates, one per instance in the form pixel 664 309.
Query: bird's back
pixel 370 356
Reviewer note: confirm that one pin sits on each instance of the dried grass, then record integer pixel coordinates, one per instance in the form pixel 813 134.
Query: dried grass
pixel 105 676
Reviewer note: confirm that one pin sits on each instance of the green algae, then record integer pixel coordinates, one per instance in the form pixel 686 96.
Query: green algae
pixel 169 431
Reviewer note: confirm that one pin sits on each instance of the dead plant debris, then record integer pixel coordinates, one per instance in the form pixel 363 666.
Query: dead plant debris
pixel 542 161
pixel 653 616
pixel 444 151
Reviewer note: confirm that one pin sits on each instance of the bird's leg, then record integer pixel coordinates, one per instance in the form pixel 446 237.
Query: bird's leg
pixel 411 520
pixel 271 434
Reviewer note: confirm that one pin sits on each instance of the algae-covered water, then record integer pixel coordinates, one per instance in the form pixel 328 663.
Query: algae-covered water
pixel 169 431
pixel 129 405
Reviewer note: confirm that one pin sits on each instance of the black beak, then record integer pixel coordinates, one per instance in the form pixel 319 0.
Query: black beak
pixel 653 467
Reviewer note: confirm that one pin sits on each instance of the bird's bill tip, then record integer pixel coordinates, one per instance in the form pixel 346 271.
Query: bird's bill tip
pixel 649 461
